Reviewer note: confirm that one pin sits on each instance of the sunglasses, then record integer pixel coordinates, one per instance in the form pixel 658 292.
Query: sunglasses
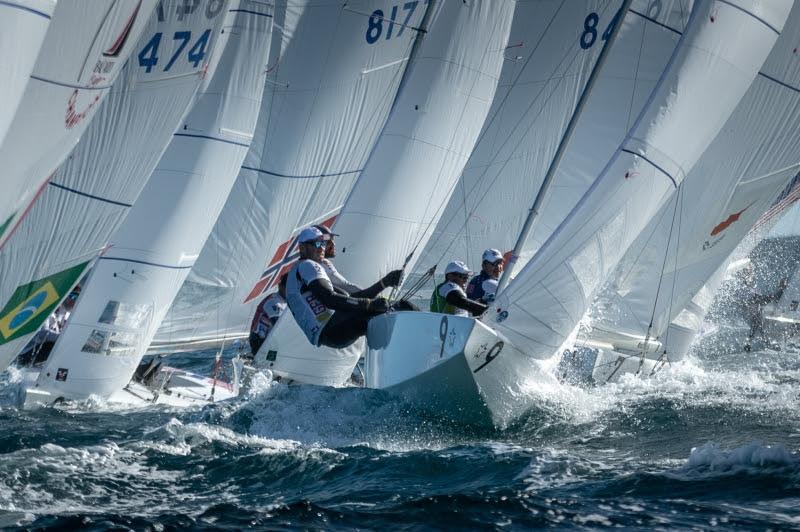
pixel 317 243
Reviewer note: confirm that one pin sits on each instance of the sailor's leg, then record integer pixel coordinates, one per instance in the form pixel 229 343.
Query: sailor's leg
pixel 344 328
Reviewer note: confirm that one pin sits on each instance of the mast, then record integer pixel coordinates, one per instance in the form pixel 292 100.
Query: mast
pixel 533 213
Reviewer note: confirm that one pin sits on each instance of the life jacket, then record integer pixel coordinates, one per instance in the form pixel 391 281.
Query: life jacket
pixel 439 302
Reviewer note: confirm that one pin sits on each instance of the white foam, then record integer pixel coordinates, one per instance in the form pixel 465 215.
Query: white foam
pixel 711 457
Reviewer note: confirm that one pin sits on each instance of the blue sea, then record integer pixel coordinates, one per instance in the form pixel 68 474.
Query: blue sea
pixel 712 442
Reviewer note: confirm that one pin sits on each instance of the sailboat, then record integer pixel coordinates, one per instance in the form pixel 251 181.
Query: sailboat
pixel 327 99
pixel 645 318
pixel 165 230
pixel 74 217
pixel 23 25
pixel 436 118
pixel 480 370
pixel 86 45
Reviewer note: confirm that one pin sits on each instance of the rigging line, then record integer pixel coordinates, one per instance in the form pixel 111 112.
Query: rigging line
pixel 603 175
pixel 675 271
pixel 564 141
pixel 661 277
pixel 636 77
pixel 501 106
pixel 446 197
pixel 479 180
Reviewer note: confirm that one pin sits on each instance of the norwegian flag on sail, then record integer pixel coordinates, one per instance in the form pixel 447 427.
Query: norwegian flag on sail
pixel 282 261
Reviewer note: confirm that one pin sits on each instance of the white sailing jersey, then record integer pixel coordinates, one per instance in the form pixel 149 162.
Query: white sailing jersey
pixel 308 311
pixel 337 279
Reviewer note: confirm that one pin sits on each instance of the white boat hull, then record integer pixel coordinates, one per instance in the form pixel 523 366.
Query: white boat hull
pixel 455 367
pixel 169 386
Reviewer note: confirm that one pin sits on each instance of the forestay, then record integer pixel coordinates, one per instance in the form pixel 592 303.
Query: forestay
pixel 552 48
pixel 86 45
pixel 735 181
pixel 327 99
pixel 118 311
pixel 23 24
pixel 435 121
pixel 706 77
pixel 86 200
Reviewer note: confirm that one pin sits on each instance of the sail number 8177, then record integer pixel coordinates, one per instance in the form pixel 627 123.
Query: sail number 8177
pixel 376 20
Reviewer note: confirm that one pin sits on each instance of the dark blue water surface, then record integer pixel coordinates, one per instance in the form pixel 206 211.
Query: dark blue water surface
pixel 710 442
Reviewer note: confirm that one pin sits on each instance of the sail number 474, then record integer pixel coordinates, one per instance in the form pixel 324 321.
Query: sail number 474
pixel 148 57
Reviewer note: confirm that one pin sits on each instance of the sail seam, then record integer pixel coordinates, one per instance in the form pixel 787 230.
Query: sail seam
pixel 743 10
pixel 71 85
pixel 654 21
pixel 276 174
pixel 169 266
pixel 654 165
pixel 249 12
pixel 779 82
pixel 92 196
pixel 24 8
pixel 212 138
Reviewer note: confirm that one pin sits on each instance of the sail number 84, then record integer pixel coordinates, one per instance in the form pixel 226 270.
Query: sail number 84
pixel 589 35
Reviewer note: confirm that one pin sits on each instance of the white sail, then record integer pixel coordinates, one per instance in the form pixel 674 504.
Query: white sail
pixel 707 76
pixel 327 100
pixel 23 24
pixel 538 92
pixel 435 121
pixel 77 212
pixel 86 45
pixel 167 226
pixel 735 181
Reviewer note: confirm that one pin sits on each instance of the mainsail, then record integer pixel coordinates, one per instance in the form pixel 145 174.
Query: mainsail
pixel 706 76
pixel 735 181
pixel 85 48
pixel 326 102
pixel 540 85
pixel 118 312
pixel 23 24
pixel 77 212
pixel 435 121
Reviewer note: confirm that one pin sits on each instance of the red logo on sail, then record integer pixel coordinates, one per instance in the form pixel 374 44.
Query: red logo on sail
pixel 727 222
pixel 282 261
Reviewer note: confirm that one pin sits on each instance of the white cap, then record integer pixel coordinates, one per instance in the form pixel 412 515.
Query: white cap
pixel 309 234
pixel 492 255
pixel 457 267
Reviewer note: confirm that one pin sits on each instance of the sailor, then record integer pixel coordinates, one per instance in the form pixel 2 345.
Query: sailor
pixel 267 314
pixel 449 297
pixel 483 286
pixel 340 281
pixel 327 316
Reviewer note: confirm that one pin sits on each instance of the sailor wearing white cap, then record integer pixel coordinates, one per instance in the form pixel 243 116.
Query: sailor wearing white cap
pixel 450 298
pixel 327 316
pixel 483 286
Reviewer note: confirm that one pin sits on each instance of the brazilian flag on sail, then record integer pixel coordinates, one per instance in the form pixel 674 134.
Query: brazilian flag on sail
pixel 31 303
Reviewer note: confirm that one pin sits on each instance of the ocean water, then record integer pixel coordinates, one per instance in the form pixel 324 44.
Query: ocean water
pixel 711 442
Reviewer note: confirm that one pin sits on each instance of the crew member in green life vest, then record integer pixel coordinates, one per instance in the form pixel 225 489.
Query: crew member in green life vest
pixel 450 298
